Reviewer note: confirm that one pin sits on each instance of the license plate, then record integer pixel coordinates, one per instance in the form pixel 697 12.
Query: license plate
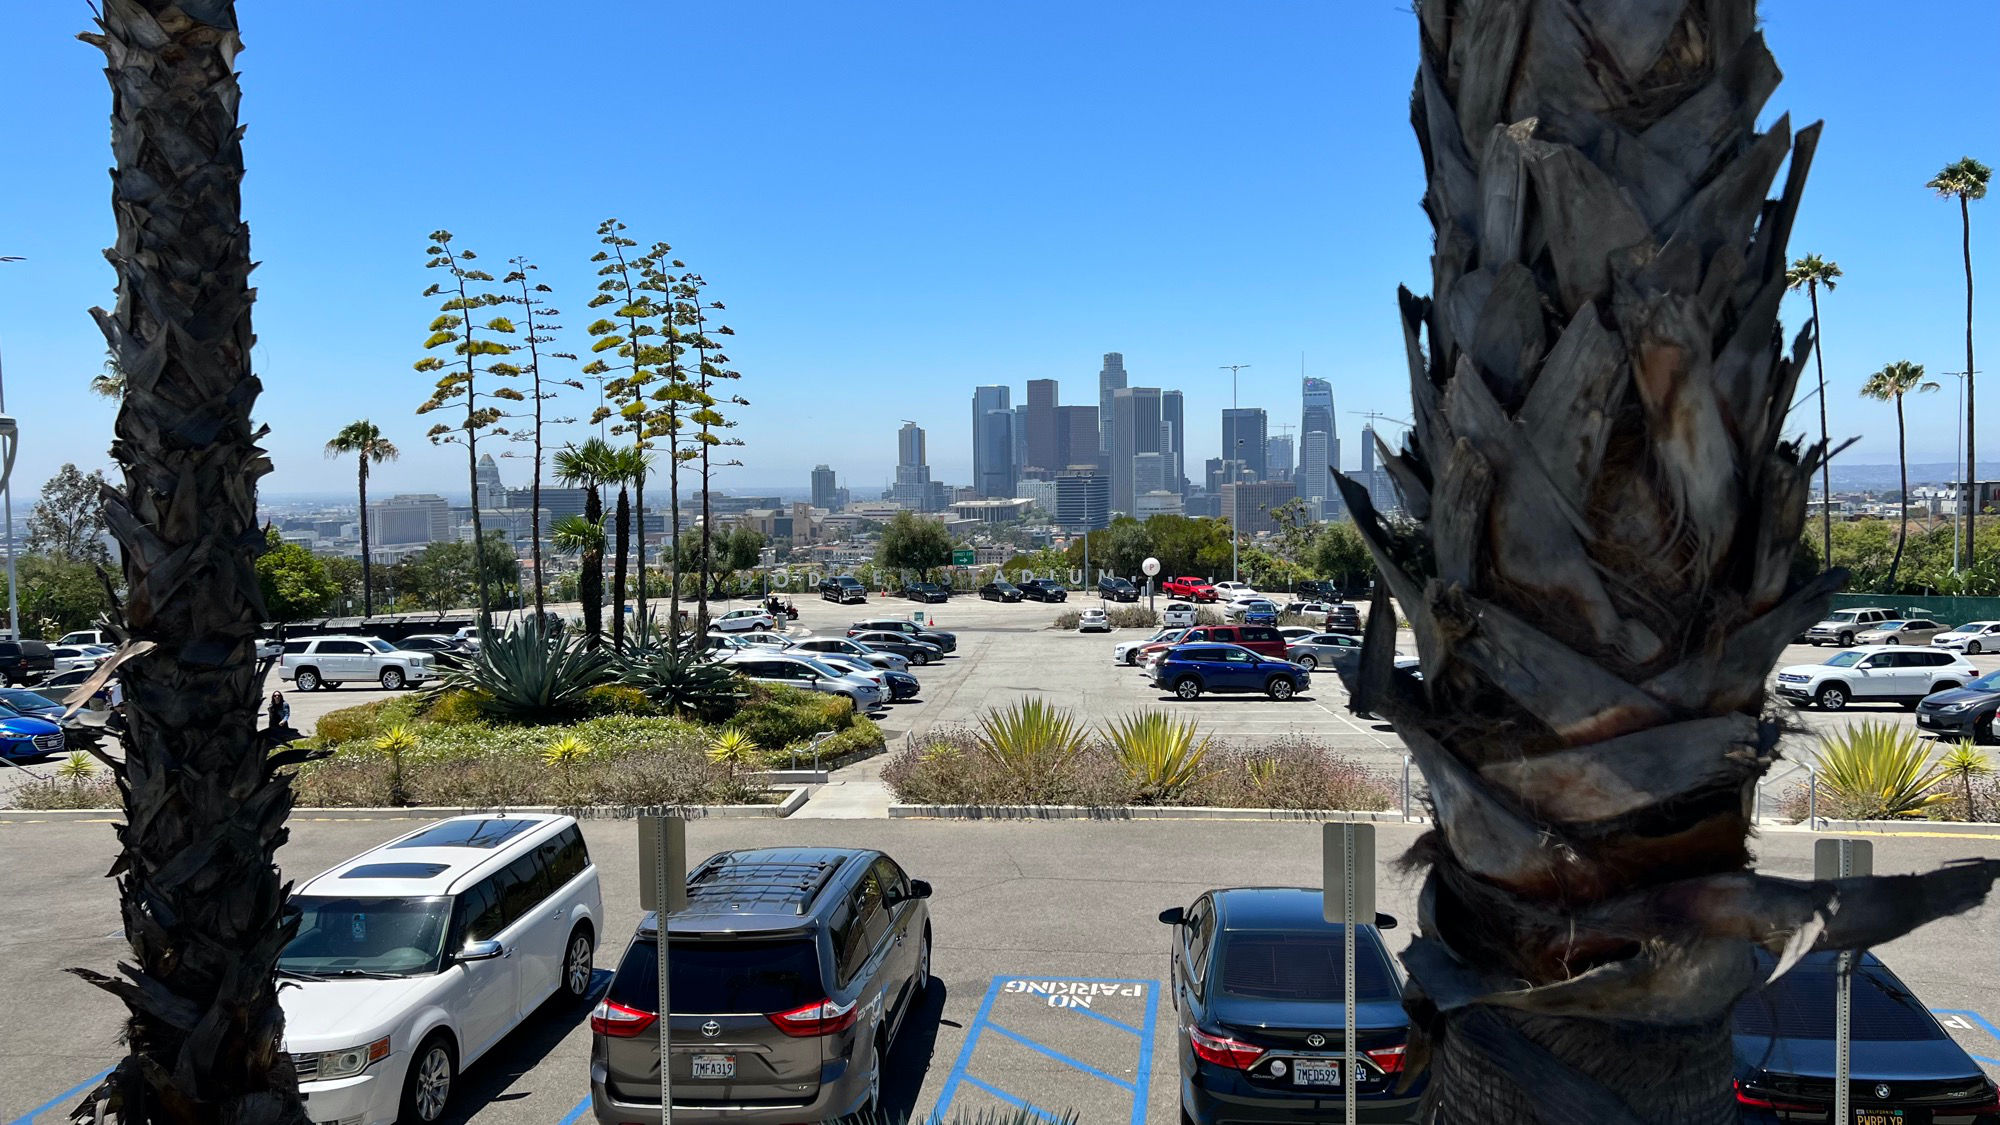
pixel 1315 1074
pixel 715 1066
pixel 1926 721
pixel 1866 1118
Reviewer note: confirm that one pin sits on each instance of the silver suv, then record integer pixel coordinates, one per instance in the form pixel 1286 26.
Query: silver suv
pixel 1843 625
pixel 792 969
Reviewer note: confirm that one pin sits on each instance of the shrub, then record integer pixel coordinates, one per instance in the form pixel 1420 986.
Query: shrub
pixel 1067 619
pixel 97 791
pixel 682 681
pixel 1132 617
pixel 459 706
pixel 777 716
pixel 527 675
pixel 860 739
pixel 617 699
pixel 367 721
pixel 1161 754
pixel 1291 772
pixel 642 777
pixel 950 768
pixel 1873 771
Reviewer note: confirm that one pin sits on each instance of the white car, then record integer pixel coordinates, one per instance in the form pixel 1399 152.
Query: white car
pixel 1971 638
pixel 841 646
pixel 69 658
pixel 415 958
pixel 744 621
pixel 1891 673
pixel 807 674
pixel 328 662
pixel 1093 621
pixel 1127 652
pixel 89 637
pixel 759 639
pixel 1228 591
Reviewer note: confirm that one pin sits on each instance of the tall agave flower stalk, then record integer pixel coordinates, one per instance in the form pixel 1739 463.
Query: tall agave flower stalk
pixel 1599 565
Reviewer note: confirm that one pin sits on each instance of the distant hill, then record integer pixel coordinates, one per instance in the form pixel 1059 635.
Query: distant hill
pixel 1865 478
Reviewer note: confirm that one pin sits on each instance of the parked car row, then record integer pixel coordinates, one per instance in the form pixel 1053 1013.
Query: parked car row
pixel 1877 626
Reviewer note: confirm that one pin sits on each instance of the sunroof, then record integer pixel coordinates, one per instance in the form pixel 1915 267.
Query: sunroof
pixel 467 834
pixel 395 871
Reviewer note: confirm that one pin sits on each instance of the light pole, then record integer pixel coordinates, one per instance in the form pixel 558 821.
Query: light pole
pixel 9 440
pixel 1233 368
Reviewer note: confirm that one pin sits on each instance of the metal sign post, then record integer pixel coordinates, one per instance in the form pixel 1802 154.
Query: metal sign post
pixel 1843 859
pixel 663 890
pixel 1348 859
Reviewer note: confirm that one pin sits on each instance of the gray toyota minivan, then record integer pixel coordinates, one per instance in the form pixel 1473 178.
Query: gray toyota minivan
pixel 792 969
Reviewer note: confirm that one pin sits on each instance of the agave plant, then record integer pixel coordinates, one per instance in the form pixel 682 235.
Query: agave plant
pixel 1162 754
pixel 527 674
pixel 565 752
pixel 1963 763
pixel 1879 772
pixel 395 742
pixel 681 679
pixel 1032 741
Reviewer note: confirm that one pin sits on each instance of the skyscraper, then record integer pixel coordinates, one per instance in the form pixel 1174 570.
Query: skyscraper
pixel 1313 467
pixel 1111 377
pixel 910 448
pixel 1083 500
pixel 488 477
pixel 1381 487
pixel 1317 458
pixel 1020 451
pixel 1077 437
pixel 1173 412
pixel 992 447
pixel 1278 457
pixel 914 488
pixel 1245 434
pixel 1149 474
pixel 826 490
pixel 1040 436
pixel 1135 429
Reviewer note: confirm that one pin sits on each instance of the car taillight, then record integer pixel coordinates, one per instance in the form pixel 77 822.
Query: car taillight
pixel 1389 1060
pixel 822 1018
pixel 1223 1051
pixel 618 1021
pixel 1757 1100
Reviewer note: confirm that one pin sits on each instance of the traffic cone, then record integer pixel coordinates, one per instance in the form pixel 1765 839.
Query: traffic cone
pixel 933 623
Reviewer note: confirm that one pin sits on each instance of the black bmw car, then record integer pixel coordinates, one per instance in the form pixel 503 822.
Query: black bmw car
pixel 1965 712
pixel 926 592
pixel 1903 1067
pixel 1000 590
pixel 1258 980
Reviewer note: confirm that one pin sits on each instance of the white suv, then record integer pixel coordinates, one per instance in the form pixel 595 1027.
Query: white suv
pixel 318 662
pixel 414 958
pixel 1895 673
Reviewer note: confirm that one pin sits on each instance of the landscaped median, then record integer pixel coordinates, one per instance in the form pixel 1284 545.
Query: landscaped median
pixel 1034 761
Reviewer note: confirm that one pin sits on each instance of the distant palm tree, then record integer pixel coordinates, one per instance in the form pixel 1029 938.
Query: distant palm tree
pixel 364 440
pixel 584 537
pixel 589 466
pixel 1891 384
pixel 110 382
pixel 1812 273
pixel 1966 181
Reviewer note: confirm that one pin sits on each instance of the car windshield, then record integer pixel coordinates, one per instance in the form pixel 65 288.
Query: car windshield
pixel 28 700
pixel 1844 659
pixel 1280 965
pixel 400 937
pixel 1989 682
pixel 822 667
pixel 380 645
pixel 1890 625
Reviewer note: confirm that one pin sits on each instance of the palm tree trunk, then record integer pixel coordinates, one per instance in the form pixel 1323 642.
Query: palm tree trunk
pixel 1971 496
pixel 205 803
pixel 624 526
pixel 367 566
pixel 674 522
pixel 1903 521
pixel 590 578
pixel 535 495
pixel 639 513
pixel 707 541
pixel 1826 463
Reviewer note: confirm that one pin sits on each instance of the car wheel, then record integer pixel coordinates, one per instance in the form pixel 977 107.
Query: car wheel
pixel 392 679
pixel 1832 697
pixel 1972 648
pixel 923 981
pixel 1308 662
pixel 1279 688
pixel 308 680
pixel 1846 639
pixel 1132 659
pixel 1982 731
pixel 427 1086
pixel 1893 640
pixel 1187 687
pixel 577 964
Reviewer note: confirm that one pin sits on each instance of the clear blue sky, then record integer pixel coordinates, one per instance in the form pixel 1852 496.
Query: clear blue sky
pixel 900 201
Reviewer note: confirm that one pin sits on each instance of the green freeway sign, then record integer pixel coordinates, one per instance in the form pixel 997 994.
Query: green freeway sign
pixel 961 558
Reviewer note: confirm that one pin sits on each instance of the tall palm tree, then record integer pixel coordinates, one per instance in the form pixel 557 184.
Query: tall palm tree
pixel 1813 273
pixel 205 799
pixel 584 537
pixel 1891 384
pixel 364 440
pixel 1965 180
pixel 627 464
pixel 589 466
pixel 1598 563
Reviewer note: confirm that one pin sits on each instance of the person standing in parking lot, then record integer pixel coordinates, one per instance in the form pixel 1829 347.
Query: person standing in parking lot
pixel 281 711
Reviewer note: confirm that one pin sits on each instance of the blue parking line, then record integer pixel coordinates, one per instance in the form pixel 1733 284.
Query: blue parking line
pixel 1017 1103
pixel 1145 1073
pixel 1062 1058
pixel 1984 1025
pixel 29 1117
pixel 950 1090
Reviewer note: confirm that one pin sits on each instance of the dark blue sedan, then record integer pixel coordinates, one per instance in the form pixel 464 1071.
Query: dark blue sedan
pixel 33 704
pixel 1189 670
pixel 902 685
pixel 1258 977
pixel 24 736
pixel 1904 1069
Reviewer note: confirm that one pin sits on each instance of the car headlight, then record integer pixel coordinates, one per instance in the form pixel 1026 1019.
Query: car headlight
pixel 353 1060
pixel 1959 706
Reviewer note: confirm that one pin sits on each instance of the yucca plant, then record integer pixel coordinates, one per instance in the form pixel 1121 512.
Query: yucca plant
pixel 733 750
pixel 395 742
pixel 1876 771
pixel 681 679
pixel 528 675
pixel 1163 755
pixel 565 752
pixel 76 769
pixel 1033 741
pixel 1965 762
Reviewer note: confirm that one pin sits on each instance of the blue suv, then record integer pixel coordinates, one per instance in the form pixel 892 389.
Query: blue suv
pixel 1189 670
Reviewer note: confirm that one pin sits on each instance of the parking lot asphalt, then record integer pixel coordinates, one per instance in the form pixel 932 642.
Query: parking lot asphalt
pixel 1049 956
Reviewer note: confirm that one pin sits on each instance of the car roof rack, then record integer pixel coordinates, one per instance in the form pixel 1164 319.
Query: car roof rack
pixel 779 877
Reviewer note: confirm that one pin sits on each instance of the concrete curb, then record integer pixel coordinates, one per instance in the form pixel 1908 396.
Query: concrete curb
pixel 1136 812
pixel 794 797
pixel 1891 828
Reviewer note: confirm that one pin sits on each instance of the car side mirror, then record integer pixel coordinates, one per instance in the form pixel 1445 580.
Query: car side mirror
pixel 479 951
pixel 1174 916
pixel 918 889
pixel 1385 921
pixel 812 677
pixel 1866 664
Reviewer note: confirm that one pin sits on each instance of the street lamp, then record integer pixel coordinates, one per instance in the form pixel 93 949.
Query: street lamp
pixel 10 433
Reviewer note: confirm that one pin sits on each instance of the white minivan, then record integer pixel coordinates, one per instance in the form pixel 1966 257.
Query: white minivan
pixel 414 958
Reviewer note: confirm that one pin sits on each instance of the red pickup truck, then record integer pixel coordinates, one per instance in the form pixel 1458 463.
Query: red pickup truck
pixel 1194 589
